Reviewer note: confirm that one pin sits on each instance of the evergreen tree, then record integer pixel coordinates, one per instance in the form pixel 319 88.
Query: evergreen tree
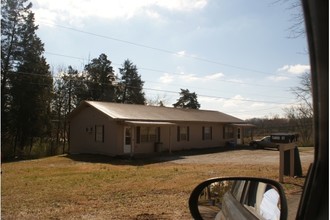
pixel 26 80
pixel 187 100
pixel 13 15
pixel 100 78
pixel 130 89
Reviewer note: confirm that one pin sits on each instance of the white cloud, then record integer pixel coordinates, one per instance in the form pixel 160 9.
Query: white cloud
pixel 184 53
pixel 278 78
pixel 237 100
pixel 45 15
pixel 236 103
pixel 166 78
pixel 207 99
pixel 181 5
pixel 74 11
pixel 193 77
pixel 214 76
pixel 235 81
pixel 153 14
pixel 257 105
pixel 287 70
pixel 188 77
pixel 181 53
pixel 295 69
pixel 182 78
pixel 238 107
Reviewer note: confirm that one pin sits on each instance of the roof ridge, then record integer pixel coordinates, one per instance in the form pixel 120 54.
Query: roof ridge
pixel 152 106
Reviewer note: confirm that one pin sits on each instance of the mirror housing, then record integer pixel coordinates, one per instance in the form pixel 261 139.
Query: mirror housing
pixel 238 198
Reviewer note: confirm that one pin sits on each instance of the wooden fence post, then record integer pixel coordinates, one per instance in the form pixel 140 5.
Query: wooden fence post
pixel 282 148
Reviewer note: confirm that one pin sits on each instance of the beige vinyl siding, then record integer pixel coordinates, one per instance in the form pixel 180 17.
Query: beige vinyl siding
pixel 95 133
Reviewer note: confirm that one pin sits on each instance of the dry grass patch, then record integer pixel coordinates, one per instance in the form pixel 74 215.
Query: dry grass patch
pixel 95 187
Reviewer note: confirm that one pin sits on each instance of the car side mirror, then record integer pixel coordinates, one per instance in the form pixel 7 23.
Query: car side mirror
pixel 238 198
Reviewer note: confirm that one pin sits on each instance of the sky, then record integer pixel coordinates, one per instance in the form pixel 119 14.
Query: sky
pixel 234 54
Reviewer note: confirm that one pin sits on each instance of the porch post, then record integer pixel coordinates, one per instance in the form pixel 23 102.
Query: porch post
pixel 132 141
pixel 169 140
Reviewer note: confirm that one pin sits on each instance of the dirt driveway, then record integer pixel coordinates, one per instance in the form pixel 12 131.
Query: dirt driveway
pixel 241 155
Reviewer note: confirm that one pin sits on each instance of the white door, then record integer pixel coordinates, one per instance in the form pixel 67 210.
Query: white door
pixel 239 141
pixel 127 140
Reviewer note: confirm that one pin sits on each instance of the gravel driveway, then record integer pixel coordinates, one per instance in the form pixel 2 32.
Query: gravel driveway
pixel 242 155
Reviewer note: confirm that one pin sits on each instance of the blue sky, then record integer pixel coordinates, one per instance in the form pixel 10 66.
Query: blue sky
pixel 235 54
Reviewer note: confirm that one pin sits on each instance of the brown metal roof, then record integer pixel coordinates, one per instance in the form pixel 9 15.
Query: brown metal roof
pixel 133 112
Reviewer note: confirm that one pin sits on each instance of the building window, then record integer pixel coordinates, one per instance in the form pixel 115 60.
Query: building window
pixel 183 133
pixel 228 132
pixel 99 133
pixel 207 133
pixel 148 134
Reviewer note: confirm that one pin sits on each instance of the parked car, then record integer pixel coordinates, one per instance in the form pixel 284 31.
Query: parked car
pixel 274 140
pixel 263 143
pixel 284 138
pixel 314 202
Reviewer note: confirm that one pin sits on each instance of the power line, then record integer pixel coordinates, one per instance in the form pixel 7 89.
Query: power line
pixel 259 110
pixel 158 90
pixel 62 55
pixel 220 97
pixel 179 74
pixel 214 90
pixel 159 49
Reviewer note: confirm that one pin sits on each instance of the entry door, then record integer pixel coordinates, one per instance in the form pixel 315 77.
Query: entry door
pixel 127 140
pixel 239 141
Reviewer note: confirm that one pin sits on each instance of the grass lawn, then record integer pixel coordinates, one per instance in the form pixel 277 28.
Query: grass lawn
pixel 96 187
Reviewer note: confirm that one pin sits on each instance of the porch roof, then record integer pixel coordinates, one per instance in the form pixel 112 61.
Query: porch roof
pixel 243 125
pixel 158 123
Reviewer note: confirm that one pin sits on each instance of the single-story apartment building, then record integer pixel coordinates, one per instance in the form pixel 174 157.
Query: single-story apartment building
pixel 127 129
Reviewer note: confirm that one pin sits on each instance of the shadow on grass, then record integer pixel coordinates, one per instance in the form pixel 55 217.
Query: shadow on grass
pixel 144 159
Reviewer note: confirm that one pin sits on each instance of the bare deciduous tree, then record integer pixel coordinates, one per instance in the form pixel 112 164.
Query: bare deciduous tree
pixel 297 28
pixel 158 100
pixel 302 113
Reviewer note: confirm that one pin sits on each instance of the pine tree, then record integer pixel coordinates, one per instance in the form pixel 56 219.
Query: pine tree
pixel 26 79
pixel 187 100
pixel 130 85
pixel 13 14
pixel 100 79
